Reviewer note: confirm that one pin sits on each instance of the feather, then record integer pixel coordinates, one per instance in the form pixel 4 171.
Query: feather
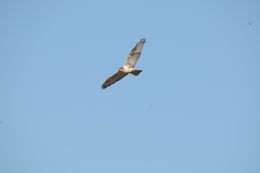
pixel 113 79
pixel 135 54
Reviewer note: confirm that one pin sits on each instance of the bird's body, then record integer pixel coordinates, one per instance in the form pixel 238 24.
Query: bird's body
pixel 126 69
pixel 129 65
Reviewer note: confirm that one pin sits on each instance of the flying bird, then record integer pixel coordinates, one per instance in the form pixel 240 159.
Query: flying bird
pixel 129 65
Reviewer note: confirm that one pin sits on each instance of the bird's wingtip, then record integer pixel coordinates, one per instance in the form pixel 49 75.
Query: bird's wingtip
pixel 143 40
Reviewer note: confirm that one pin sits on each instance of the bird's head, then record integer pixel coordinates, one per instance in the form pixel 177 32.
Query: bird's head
pixel 121 69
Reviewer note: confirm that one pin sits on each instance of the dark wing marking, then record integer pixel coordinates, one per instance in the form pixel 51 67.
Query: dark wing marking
pixel 112 79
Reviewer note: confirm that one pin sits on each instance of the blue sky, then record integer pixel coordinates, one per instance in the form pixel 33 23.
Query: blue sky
pixel 194 108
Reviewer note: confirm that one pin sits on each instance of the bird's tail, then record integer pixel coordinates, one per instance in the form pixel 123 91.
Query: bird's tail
pixel 136 72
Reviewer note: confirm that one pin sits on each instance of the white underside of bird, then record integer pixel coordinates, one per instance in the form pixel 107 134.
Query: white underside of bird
pixel 126 69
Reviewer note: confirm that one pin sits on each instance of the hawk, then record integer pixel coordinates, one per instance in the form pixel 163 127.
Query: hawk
pixel 129 65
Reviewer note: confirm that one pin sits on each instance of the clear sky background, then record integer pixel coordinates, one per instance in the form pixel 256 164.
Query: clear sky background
pixel 194 108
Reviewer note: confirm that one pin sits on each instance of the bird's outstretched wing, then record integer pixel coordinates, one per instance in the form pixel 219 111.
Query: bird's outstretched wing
pixel 135 54
pixel 114 78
